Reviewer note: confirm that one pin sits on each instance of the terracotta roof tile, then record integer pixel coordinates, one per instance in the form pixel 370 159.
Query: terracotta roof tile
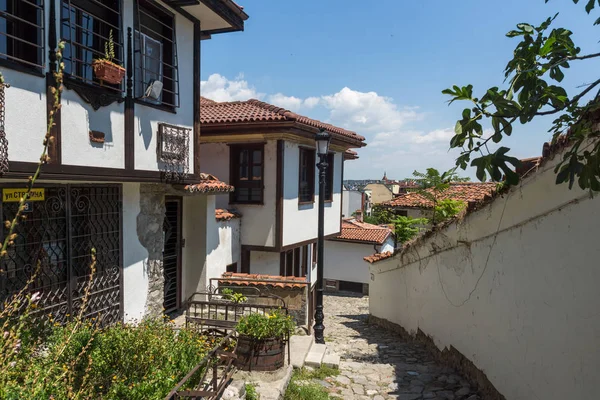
pixel 209 184
pixel 378 257
pixel 226 215
pixel 350 155
pixel 469 192
pixel 258 111
pixel 239 279
pixel 355 231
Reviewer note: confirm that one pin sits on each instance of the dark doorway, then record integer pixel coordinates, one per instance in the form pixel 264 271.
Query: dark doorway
pixel 355 287
pixel 172 253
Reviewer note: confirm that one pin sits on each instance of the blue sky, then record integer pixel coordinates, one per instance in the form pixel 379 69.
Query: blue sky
pixel 379 67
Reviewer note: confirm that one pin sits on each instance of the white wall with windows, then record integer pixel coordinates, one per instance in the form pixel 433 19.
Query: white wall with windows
pixel 258 228
pixel 300 220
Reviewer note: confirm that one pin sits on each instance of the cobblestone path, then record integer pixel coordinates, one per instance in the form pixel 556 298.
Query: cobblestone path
pixel 377 364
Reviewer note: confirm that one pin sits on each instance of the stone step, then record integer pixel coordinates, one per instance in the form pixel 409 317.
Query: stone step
pixel 331 360
pixel 315 355
pixel 299 348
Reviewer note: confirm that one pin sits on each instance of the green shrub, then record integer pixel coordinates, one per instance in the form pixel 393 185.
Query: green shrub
pixel 122 361
pixel 406 228
pixel 265 326
pixel 448 208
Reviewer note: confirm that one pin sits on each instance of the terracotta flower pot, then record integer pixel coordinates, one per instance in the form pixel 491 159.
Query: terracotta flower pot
pixel 108 71
pixel 260 355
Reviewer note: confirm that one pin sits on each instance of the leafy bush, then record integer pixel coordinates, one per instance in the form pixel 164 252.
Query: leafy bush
pixel 230 295
pixel 266 326
pixel 448 208
pixel 406 228
pixel 79 360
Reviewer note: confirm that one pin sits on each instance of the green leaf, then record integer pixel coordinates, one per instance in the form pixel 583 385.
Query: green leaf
pixel 525 27
pixel 547 46
pixel 589 6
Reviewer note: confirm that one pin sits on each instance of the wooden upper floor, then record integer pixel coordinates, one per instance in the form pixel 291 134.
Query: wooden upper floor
pixel 142 125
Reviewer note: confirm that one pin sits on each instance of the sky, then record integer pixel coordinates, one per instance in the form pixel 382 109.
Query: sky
pixel 378 68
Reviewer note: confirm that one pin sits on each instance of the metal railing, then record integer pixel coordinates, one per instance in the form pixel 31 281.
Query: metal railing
pixel 219 362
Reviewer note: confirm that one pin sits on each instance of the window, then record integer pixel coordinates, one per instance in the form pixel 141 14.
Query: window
pixel 306 181
pixel 156 56
pixel 329 178
pixel 86 27
pixel 247 174
pixel 22 32
pixel 232 267
pixel 293 262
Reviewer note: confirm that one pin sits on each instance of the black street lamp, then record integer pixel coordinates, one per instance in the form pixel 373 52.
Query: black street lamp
pixel 322 138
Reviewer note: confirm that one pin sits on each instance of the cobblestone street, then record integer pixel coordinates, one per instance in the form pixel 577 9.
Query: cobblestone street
pixel 377 364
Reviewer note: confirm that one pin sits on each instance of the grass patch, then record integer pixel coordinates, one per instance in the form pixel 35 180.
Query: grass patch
pixel 299 389
pixel 251 393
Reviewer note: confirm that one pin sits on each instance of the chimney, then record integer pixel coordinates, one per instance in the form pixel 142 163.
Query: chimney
pixel 358 215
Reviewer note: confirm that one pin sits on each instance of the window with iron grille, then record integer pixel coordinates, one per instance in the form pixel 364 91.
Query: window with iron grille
pixel 22 33
pixel 86 27
pixel 247 166
pixel 156 75
pixel 306 181
pixel 329 178
pixel 173 150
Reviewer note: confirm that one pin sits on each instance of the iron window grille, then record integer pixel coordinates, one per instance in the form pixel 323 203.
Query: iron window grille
pixel 22 38
pixel 86 26
pixel 306 180
pixel 329 178
pixel 155 54
pixel 173 150
pixel 247 168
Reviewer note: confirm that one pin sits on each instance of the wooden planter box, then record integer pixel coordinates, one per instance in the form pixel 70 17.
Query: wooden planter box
pixel 260 355
pixel 109 72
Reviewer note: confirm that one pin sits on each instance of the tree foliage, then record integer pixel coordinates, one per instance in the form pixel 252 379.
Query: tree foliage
pixel 432 185
pixel 406 228
pixel 447 208
pixel 532 89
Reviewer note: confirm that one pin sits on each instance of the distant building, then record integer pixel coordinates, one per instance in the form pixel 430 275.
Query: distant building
pixel 344 267
pixel 352 200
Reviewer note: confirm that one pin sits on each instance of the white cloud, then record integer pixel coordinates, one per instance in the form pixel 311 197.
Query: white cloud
pixel 293 103
pixel 219 88
pixel 438 135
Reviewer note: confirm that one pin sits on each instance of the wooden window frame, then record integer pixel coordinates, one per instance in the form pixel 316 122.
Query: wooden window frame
pixel 24 53
pixel 150 12
pixel 78 68
pixel 329 178
pixel 234 167
pixel 305 264
pixel 310 155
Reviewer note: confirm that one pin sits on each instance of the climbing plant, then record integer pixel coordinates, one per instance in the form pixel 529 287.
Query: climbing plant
pixel 531 90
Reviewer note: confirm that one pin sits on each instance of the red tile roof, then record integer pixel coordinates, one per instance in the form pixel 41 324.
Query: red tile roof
pixel 239 279
pixel 250 111
pixel 355 231
pixel 350 155
pixel 209 184
pixel 226 215
pixel 469 192
pixel 378 257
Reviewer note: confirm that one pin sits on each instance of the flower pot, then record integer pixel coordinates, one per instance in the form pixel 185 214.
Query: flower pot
pixel 260 355
pixel 108 71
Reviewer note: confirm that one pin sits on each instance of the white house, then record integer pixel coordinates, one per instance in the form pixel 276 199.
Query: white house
pixel 268 154
pixel 344 268
pixel 352 200
pixel 123 176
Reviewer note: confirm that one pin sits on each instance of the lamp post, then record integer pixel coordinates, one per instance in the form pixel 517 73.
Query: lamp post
pixel 322 139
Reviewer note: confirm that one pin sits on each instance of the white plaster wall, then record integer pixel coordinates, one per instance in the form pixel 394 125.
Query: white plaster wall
pixel 263 262
pixel 258 228
pixel 351 201
pixel 513 287
pixel 228 249
pixel 25 119
pixel 344 260
pixel 300 221
pixel 135 257
pixel 200 233
pixel 77 119
pixel 147 118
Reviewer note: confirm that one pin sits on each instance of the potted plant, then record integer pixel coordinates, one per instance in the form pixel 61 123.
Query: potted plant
pixel 262 339
pixel 104 68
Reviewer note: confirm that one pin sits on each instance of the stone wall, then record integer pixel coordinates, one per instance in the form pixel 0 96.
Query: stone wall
pixel 150 234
